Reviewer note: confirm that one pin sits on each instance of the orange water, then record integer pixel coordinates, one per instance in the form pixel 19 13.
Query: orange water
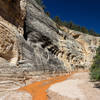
pixel 38 89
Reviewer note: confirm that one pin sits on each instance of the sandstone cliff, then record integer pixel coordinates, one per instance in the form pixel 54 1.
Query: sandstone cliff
pixel 31 42
pixel 73 48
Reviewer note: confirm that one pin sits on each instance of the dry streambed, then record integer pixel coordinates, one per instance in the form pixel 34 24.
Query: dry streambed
pixel 74 86
pixel 77 87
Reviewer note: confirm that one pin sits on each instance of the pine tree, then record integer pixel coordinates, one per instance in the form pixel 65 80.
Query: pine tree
pixel 65 23
pixel 57 20
pixel 84 30
pixel 70 25
pixel 91 32
pixel 48 13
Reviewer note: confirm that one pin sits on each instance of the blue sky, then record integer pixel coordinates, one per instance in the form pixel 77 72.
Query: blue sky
pixel 82 12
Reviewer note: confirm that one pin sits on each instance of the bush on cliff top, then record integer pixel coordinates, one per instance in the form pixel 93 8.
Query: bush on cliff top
pixel 95 69
pixel 75 27
pixel 70 24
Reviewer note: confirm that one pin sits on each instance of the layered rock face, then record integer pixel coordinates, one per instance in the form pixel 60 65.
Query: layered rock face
pixel 11 23
pixel 44 45
pixel 8 42
pixel 79 50
pixel 74 49
pixel 21 59
pixel 11 26
pixel 30 42
pixel 41 35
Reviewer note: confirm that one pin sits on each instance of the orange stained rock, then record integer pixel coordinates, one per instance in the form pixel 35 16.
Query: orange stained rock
pixel 38 89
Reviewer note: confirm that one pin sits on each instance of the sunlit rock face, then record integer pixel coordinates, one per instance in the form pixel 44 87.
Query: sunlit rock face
pixel 11 26
pixel 45 46
pixel 8 42
pixel 31 43
pixel 12 15
pixel 79 50
pixel 41 35
pixel 20 58
pixel 74 49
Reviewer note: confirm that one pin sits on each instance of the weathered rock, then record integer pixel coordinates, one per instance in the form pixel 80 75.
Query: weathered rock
pixel 80 50
pixel 45 47
pixel 74 49
pixel 16 95
pixel 13 11
pixel 8 42
pixel 41 34
pixel 12 14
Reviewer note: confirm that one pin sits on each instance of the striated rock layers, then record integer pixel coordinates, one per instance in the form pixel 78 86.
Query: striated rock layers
pixel 74 49
pixel 31 42
pixel 79 50
pixel 11 23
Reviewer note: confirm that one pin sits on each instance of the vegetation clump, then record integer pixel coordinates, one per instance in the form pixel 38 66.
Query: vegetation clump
pixel 95 69
pixel 75 27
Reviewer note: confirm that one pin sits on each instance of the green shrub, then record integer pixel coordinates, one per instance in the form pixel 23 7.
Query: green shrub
pixel 58 20
pixel 75 27
pixel 84 30
pixel 95 68
pixel 47 13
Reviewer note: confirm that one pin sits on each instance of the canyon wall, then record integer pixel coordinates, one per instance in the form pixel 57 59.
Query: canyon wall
pixel 31 43
pixel 32 40
pixel 74 49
